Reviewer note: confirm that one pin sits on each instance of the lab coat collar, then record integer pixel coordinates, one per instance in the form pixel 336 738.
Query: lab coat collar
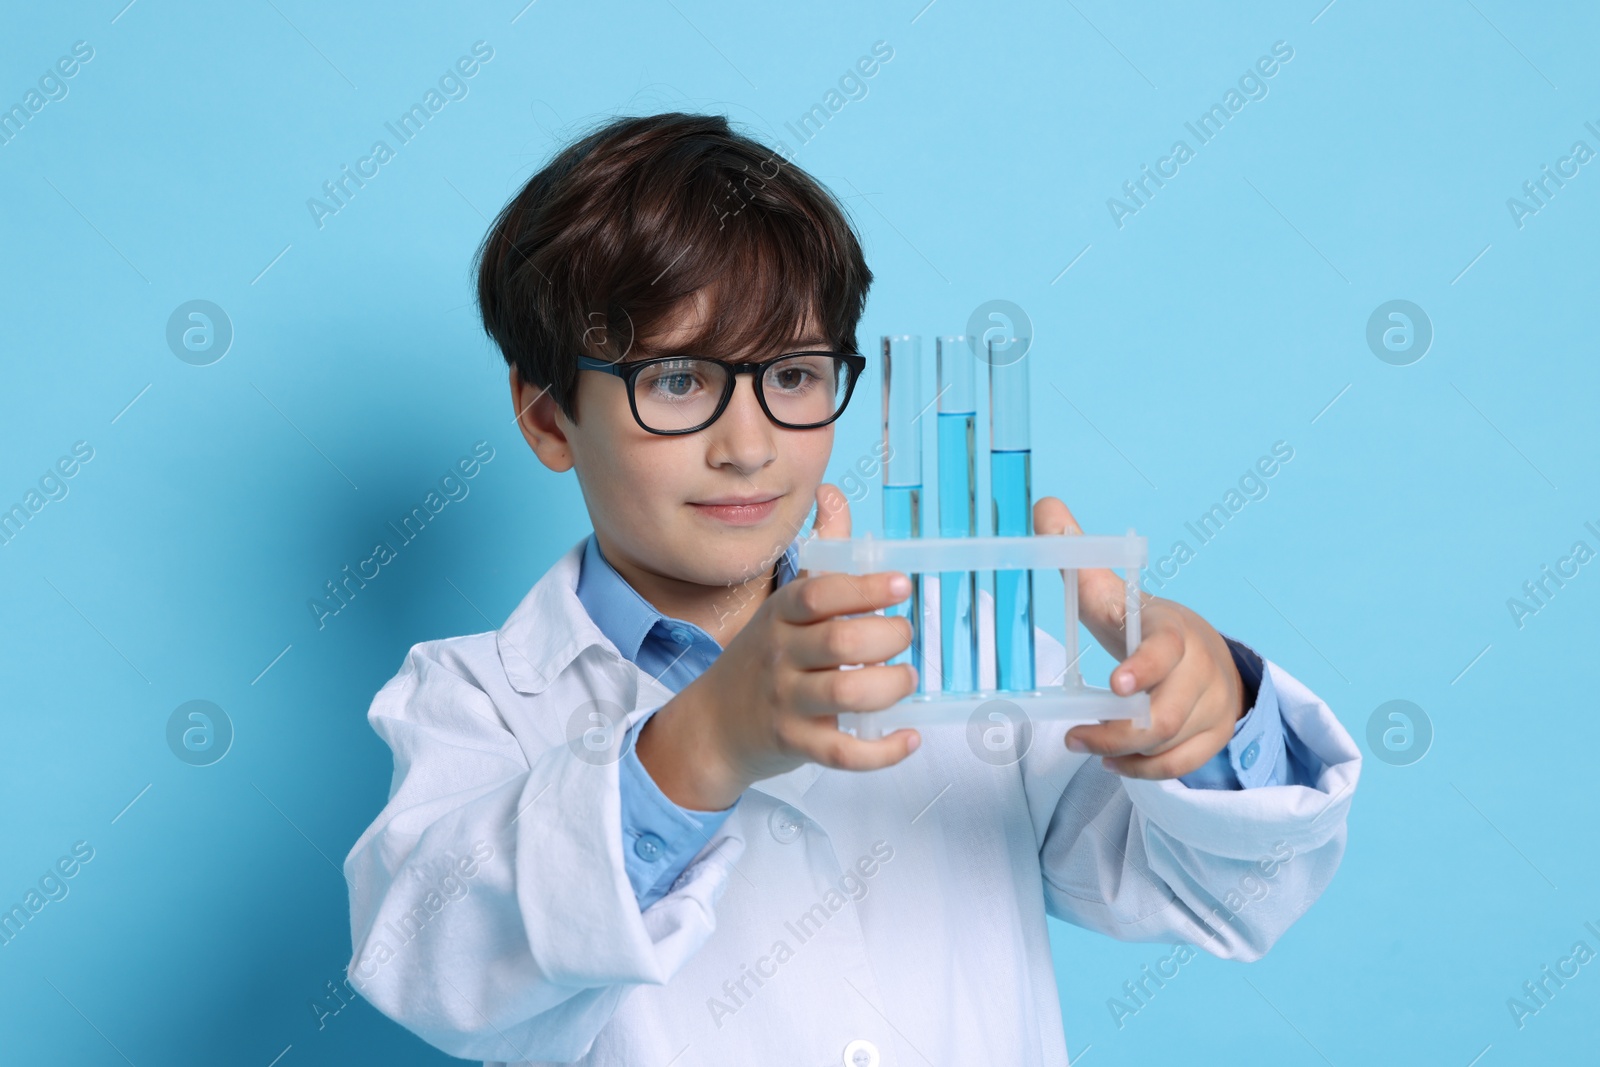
pixel 550 628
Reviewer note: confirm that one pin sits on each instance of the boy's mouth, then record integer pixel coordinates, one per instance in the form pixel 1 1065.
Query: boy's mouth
pixel 737 511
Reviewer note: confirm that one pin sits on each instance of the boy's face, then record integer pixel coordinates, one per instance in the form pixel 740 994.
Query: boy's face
pixel 643 489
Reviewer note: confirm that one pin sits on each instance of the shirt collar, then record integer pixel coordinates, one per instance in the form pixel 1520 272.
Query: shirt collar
pixel 621 613
pixel 551 625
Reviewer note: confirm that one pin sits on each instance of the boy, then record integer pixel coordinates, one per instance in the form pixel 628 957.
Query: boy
pixel 624 828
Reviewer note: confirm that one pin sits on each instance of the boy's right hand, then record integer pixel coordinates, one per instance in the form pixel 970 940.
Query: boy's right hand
pixel 769 703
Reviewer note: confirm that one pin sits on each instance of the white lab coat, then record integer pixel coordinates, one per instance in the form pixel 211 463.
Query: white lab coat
pixel 491 912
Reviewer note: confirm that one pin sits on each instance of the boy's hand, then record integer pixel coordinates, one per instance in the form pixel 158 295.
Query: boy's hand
pixel 1196 694
pixel 769 703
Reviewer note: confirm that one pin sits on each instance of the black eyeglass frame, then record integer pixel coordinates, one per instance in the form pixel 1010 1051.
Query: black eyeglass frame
pixel 628 371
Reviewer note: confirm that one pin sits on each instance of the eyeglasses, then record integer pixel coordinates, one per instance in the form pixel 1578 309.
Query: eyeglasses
pixel 683 394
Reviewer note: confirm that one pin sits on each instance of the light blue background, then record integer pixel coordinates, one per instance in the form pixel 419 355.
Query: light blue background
pixel 1224 316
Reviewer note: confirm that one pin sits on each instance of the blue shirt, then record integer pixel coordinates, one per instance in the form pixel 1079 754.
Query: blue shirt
pixel 659 837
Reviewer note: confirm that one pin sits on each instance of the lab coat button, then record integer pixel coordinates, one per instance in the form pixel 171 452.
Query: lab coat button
pixel 861 1053
pixel 786 824
pixel 1247 758
pixel 649 847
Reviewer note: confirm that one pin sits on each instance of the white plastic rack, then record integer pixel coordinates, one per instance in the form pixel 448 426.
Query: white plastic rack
pixel 1071 700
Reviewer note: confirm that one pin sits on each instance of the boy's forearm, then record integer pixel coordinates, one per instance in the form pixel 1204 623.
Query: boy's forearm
pixel 683 760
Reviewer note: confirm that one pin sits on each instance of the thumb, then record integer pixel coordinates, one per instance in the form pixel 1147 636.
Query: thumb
pixel 1102 596
pixel 833 515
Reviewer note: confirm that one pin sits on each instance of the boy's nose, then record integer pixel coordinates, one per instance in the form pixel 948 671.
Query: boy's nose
pixel 743 435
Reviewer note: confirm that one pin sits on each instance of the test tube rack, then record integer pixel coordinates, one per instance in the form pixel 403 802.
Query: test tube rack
pixel 1071 700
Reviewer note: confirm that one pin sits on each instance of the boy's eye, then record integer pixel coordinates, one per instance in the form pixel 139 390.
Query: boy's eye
pixel 800 373
pixel 791 378
pixel 672 380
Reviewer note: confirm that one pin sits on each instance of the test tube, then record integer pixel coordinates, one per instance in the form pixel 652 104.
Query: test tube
pixel 902 474
pixel 1011 493
pixel 958 510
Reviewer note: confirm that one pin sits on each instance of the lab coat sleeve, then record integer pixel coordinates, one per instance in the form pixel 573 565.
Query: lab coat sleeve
pixel 491 911
pixel 1155 860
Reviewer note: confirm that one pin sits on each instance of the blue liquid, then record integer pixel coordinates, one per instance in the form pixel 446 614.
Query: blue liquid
pixel 902 511
pixel 902 517
pixel 1011 485
pixel 958 517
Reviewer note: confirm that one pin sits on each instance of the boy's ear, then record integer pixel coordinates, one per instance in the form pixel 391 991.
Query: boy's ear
pixel 541 421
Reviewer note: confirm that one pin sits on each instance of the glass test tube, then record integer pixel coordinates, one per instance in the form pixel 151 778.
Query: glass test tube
pixel 958 511
pixel 902 474
pixel 1011 492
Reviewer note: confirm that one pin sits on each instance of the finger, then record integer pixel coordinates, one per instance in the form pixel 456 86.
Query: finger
pixel 823 693
pixel 1196 681
pixel 1172 703
pixel 1173 695
pixel 1175 713
pixel 1175 762
pixel 834 748
pixel 822 596
pixel 1154 659
pixel 840 641
pixel 833 515
pixel 833 512
pixel 1102 596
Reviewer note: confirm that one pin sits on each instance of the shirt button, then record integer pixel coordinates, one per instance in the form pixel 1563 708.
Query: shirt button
pixel 785 823
pixel 1247 758
pixel 861 1053
pixel 680 635
pixel 649 847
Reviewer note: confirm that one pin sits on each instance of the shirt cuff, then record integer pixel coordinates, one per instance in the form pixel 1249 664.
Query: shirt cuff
pixel 659 838
pixel 1255 755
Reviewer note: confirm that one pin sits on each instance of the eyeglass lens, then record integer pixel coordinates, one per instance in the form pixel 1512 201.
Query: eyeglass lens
pixel 801 390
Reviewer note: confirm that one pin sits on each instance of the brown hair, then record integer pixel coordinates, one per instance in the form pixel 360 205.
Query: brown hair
pixel 604 243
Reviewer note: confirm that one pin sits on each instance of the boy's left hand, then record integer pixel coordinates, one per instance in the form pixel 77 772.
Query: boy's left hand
pixel 1196 694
